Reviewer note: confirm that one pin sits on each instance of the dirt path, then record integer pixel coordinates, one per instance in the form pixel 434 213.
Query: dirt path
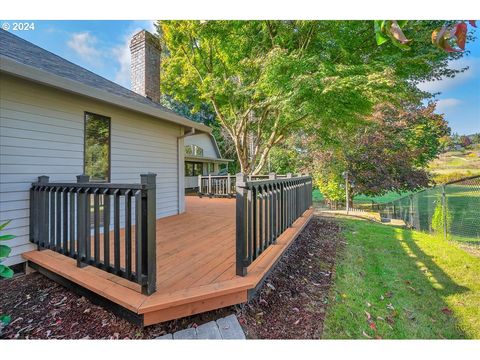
pixel 291 304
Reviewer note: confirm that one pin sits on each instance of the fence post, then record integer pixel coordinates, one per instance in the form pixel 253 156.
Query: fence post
pixel 83 232
pixel 444 212
pixel 241 240
pixel 410 197
pixel 149 246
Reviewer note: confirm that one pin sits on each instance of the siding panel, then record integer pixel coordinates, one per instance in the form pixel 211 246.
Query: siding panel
pixel 41 133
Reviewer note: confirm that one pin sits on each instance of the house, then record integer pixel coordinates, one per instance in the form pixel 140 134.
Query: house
pixel 202 157
pixel 46 104
pixel 92 177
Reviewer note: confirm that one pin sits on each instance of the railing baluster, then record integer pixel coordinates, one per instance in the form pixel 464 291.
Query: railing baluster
pixel 58 220
pixel 96 227
pixel 64 195
pixel 51 237
pixel 128 234
pixel 116 231
pixel 88 226
pixel 106 228
pixel 71 250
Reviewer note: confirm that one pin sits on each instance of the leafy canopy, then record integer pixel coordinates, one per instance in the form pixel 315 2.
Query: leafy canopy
pixel 265 80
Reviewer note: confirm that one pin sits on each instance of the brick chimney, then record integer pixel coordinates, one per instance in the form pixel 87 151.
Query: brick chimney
pixel 145 68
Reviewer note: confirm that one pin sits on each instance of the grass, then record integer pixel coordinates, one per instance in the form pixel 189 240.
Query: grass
pixel 387 197
pixel 411 285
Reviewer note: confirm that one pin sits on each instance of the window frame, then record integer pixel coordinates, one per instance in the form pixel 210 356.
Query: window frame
pixel 193 163
pixel 109 171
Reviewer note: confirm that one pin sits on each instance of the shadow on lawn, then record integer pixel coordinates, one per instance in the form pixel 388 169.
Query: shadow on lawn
pixel 405 288
pixel 436 277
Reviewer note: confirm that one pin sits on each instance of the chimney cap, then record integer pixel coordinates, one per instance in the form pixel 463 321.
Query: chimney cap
pixel 144 36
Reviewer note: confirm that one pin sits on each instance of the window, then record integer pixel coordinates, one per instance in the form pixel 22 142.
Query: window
pixel 193 168
pixel 211 168
pixel 193 150
pixel 97 147
pixel 189 150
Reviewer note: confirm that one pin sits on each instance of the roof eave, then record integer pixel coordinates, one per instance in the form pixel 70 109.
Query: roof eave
pixel 205 158
pixel 15 68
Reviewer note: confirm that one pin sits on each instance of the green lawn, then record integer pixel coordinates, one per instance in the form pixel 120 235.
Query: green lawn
pixel 387 197
pixel 409 284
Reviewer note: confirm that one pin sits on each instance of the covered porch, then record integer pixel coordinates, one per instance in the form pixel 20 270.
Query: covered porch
pixel 195 266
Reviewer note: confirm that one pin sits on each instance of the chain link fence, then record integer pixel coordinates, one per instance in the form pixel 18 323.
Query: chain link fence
pixel 451 210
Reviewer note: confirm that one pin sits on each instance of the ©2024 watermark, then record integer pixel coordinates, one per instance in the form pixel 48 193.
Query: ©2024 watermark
pixel 18 25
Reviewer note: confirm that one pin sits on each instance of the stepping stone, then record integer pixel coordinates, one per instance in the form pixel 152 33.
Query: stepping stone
pixel 187 334
pixel 230 328
pixel 208 331
pixel 165 337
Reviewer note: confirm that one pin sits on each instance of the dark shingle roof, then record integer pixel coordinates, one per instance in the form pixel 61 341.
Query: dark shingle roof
pixel 24 52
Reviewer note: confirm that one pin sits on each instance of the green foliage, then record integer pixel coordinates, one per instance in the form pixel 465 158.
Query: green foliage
pixel 97 147
pixel 5 250
pixel 5 319
pixel 5 271
pixel 331 186
pixel 266 80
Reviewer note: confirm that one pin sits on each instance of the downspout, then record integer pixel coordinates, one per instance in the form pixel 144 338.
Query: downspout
pixel 191 132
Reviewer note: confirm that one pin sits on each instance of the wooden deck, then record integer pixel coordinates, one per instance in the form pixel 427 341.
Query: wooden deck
pixel 195 265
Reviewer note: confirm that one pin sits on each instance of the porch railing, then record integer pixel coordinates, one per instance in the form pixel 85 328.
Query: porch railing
pixel 265 209
pixel 109 226
pixel 216 185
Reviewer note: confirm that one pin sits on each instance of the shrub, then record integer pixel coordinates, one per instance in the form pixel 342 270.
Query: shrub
pixel 438 219
pixel 5 271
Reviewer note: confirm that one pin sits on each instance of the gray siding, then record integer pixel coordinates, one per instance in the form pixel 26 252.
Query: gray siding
pixel 205 142
pixel 41 133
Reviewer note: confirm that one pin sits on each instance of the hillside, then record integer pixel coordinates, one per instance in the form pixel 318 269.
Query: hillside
pixel 453 165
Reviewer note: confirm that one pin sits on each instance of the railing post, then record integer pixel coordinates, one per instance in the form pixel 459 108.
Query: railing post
pixel 241 209
pixel 149 250
pixel 199 184
pixel 209 184
pixel 229 185
pixel 83 233
pixel 444 212
pixel 41 212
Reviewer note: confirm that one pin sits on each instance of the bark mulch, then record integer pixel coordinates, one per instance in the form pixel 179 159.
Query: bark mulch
pixel 290 305
pixel 294 299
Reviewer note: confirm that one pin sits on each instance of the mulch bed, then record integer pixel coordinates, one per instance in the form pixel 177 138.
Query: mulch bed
pixel 293 301
pixel 290 305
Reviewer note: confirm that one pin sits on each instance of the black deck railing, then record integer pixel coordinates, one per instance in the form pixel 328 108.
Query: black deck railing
pixel 109 226
pixel 265 209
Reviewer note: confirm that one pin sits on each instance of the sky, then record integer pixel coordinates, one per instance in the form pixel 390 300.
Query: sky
pixel 102 47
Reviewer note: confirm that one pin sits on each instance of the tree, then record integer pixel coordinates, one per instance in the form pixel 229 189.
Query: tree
pixel 266 80
pixel 389 154
pixel 465 141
